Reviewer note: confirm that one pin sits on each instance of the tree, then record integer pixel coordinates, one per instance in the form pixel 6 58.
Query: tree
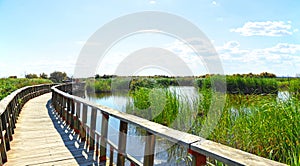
pixel 30 76
pixel 267 75
pixel 44 76
pixel 97 76
pixel 58 76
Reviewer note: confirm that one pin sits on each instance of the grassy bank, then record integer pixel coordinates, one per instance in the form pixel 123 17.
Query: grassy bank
pixel 239 85
pixel 8 85
pixel 109 84
pixel 236 84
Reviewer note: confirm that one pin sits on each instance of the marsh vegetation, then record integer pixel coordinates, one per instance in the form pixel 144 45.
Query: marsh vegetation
pixel 259 115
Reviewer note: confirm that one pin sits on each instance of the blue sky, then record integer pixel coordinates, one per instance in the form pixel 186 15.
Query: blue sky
pixel 249 36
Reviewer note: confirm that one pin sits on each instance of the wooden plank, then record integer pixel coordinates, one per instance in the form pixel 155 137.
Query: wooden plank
pixel 46 142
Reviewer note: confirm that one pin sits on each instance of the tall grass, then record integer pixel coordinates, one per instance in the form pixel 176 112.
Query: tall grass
pixel 8 85
pixel 261 125
pixel 295 86
pixel 98 85
pixel 239 85
pixel 158 105
pixel 134 83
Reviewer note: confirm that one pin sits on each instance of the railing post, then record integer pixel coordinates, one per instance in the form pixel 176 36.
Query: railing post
pixel 11 117
pixel 76 118
pixel 111 156
pixel 68 119
pixel 8 124
pixel 62 106
pixel 5 136
pixel 83 124
pixel 104 131
pixel 2 144
pixel 97 138
pixel 93 128
pixel 149 149
pixel 65 111
pixel 54 101
pixel 122 143
pixel 72 113
pixel 57 101
pixel 14 111
pixel 17 108
pixel 198 159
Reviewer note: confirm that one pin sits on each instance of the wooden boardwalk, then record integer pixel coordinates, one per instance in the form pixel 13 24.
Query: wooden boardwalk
pixel 41 138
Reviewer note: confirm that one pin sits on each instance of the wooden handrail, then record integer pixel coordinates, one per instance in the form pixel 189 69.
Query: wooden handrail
pixel 198 147
pixel 10 108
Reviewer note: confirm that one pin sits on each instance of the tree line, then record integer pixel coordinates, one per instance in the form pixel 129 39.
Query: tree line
pixel 56 76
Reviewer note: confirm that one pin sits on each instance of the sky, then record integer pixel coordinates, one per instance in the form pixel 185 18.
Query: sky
pixel 249 36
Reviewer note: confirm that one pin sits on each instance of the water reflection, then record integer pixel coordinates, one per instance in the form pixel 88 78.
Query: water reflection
pixel 283 96
pixel 136 139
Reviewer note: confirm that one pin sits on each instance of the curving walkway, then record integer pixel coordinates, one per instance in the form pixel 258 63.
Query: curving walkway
pixel 41 138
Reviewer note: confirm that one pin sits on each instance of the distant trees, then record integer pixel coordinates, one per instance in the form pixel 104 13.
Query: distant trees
pixel 58 76
pixel 31 76
pixel 267 75
pixel 55 76
pixel 44 76
pixel 97 76
pixel 261 75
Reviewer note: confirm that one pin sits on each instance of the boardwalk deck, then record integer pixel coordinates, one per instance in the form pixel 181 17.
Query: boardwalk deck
pixel 41 138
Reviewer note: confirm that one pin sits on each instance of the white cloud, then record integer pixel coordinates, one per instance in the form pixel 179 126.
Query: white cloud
pixel 267 28
pixel 152 2
pixel 198 55
pixel 282 58
pixel 215 3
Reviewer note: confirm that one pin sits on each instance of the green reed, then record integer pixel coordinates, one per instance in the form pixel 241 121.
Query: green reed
pixel 262 125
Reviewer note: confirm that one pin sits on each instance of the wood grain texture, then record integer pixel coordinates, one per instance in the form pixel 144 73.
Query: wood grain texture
pixel 41 138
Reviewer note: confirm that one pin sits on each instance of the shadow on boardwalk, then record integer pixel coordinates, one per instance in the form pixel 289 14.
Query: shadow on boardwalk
pixel 71 140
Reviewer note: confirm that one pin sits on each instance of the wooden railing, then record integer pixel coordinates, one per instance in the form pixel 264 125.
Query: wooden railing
pixel 74 111
pixel 10 108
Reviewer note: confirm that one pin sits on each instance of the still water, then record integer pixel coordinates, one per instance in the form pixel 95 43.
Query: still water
pixel 135 138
